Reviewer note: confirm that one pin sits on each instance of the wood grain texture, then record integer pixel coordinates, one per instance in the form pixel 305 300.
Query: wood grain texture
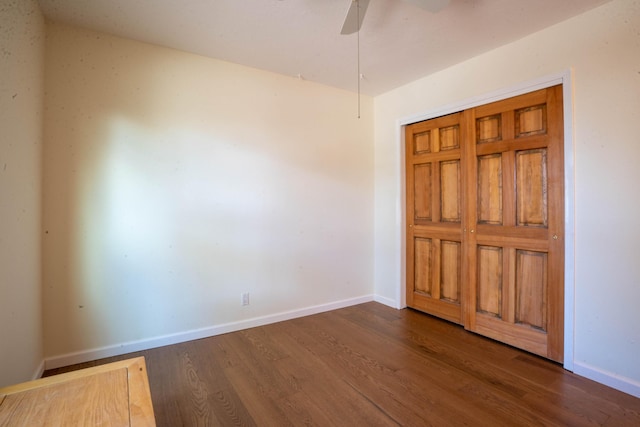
pixel 518 196
pixel 113 394
pixel 369 365
pixel 450 191
pixel 99 399
pixel 434 215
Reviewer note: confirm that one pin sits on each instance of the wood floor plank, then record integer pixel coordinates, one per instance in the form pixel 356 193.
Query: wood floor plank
pixel 368 365
pixel 354 361
pixel 210 384
pixel 322 384
pixel 353 370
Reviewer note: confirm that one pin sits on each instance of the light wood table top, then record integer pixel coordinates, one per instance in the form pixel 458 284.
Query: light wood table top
pixel 116 394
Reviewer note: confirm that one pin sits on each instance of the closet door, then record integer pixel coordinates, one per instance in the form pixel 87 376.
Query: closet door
pixel 515 222
pixel 434 216
pixel 485 220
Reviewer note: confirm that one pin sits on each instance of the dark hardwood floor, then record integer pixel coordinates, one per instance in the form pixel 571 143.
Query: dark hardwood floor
pixel 369 365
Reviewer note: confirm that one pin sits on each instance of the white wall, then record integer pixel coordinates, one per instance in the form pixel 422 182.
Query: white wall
pixel 21 79
pixel 173 183
pixel 603 47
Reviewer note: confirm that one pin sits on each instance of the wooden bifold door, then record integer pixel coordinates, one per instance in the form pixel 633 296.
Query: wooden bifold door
pixel 485 212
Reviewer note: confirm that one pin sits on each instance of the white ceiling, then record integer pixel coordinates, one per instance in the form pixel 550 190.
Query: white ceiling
pixel 399 42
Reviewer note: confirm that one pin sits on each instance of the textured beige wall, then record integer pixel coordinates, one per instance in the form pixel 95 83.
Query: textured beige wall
pixel 21 79
pixel 603 48
pixel 174 182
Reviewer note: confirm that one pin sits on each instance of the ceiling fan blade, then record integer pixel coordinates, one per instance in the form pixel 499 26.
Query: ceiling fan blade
pixel 430 5
pixel 351 21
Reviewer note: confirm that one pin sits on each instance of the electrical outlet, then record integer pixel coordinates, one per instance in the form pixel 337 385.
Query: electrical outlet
pixel 245 298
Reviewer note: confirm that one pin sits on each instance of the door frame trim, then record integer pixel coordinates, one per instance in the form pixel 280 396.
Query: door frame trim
pixel 566 79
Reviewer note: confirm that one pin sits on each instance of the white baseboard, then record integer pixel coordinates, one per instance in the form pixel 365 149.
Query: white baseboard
pixel 386 301
pixel 39 371
pixel 610 379
pixel 133 346
pixel 624 384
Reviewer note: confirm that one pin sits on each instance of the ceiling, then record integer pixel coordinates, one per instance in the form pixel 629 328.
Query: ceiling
pixel 399 42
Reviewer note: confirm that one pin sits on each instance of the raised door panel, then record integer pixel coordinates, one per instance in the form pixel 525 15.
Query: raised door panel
pixel 423 248
pixel 422 191
pixel 531 188
pixel 531 289
pixel 450 191
pixel 490 189
pixel 490 277
pixel 450 271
